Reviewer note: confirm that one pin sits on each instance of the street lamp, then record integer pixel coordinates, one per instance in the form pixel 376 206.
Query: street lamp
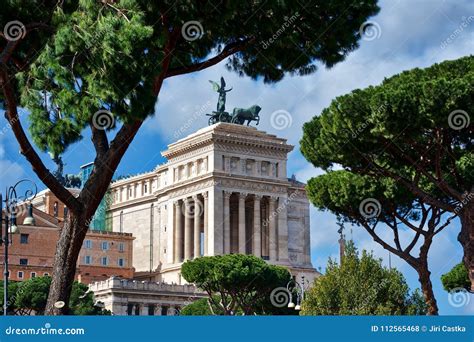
pixel 299 288
pixel 11 201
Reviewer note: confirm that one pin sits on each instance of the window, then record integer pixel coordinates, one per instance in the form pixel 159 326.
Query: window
pixel 87 260
pixel 121 247
pixel 33 274
pixel 24 238
pixel 65 212
pixel 104 261
pixel 105 245
pixel 23 262
pixel 121 262
pixel 20 274
pixel 88 244
pixel 164 311
pixel 46 274
pixel 55 209
pixel 145 188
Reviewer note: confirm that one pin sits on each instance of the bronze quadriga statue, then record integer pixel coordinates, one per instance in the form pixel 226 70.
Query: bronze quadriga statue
pixel 238 116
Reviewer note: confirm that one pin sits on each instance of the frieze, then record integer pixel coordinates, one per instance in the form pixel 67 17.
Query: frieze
pixel 190 188
pixel 250 151
pixel 253 186
pixel 187 154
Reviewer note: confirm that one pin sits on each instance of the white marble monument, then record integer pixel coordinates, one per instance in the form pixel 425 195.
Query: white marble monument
pixel 224 189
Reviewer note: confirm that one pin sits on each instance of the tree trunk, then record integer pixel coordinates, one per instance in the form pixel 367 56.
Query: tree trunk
pixel 466 236
pixel 68 247
pixel 427 288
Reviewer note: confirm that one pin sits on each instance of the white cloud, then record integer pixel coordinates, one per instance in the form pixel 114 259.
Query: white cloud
pixel 10 171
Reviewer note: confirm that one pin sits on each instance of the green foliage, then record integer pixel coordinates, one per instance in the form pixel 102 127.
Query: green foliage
pixel 31 296
pixel 456 278
pixel 395 129
pixel 201 307
pixel 106 56
pixel 12 293
pixel 402 144
pixel 361 286
pixel 240 282
pixel 342 192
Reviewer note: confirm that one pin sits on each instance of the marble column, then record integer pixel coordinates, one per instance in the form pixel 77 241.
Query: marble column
pixel 188 233
pixel 227 222
pixel 197 226
pixel 178 233
pixel 272 229
pixel 257 229
pixel 242 240
pixel 157 310
pixel 206 223
pixel 143 310
pixel 283 230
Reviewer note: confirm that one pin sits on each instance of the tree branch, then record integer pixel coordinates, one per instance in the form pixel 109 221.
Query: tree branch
pixel 100 141
pixel 11 114
pixel 406 256
pixel 12 44
pixel 440 183
pixel 106 164
pixel 226 52
pixel 410 185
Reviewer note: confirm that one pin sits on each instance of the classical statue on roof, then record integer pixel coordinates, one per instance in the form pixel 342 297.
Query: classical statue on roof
pixel 238 116
pixel 68 180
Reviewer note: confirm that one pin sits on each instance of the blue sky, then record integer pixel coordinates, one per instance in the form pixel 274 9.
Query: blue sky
pixel 407 34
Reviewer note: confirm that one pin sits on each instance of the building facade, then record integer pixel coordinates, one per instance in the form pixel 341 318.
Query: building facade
pixel 223 189
pixel 31 253
pixel 141 298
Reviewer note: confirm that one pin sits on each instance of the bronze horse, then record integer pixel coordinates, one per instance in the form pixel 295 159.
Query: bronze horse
pixel 239 115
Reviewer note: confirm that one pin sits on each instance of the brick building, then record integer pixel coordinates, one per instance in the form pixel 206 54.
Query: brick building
pixel 31 253
pixel 47 202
